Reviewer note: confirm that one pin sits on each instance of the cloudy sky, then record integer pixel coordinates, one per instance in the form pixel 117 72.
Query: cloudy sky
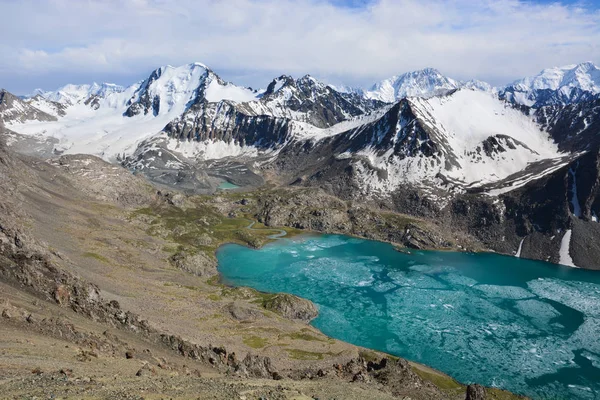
pixel 48 43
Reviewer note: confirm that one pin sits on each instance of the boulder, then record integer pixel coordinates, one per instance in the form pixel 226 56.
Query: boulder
pixel 475 392
pixel 292 307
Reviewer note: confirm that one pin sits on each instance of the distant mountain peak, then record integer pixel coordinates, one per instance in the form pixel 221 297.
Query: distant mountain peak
pixel 557 85
pixel 71 94
pixel 15 110
pixel 423 82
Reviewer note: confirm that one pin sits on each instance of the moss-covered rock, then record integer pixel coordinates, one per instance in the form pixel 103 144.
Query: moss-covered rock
pixel 291 307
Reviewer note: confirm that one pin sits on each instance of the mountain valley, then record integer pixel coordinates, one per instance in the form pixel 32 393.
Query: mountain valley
pixel 113 209
pixel 419 143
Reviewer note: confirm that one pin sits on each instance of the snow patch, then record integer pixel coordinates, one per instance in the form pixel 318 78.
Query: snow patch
pixel 210 150
pixel 564 255
pixel 216 92
pixel 518 254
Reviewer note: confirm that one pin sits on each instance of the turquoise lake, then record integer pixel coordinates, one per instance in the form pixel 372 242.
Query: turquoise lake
pixel 521 325
pixel 227 186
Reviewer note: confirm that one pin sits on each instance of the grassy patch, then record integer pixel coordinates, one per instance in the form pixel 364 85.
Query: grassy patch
pixel 497 394
pixel 303 336
pixel 214 280
pixel 96 257
pixel 203 227
pixel 263 298
pixel 369 355
pixel 298 354
pixel 442 381
pixel 255 342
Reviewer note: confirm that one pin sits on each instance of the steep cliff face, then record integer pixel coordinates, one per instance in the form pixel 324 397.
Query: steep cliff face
pixel 225 122
pixel 574 127
pixel 530 221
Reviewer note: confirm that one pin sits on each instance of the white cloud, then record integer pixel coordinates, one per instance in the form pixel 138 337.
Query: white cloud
pixel 490 40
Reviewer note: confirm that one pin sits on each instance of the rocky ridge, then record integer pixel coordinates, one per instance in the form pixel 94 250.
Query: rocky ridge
pixel 457 146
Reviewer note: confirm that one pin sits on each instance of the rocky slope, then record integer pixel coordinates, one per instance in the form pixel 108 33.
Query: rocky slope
pixel 89 282
pixel 15 110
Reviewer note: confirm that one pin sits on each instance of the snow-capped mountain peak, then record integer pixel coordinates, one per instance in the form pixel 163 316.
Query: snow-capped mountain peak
pixel 585 76
pixel 425 82
pixel 476 84
pixel 278 83
pixel 73 94
pixel 176 88
pixel 559 85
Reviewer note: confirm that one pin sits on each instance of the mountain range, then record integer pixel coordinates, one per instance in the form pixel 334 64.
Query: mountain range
pixel 479 157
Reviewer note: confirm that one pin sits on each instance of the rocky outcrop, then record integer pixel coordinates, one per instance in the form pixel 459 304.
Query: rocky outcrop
pixel 315 210
pixel 475 392
pixel 225 122
pixel 257 367
pixel 291 307
pixel 417 238
pixel 143 101
pixel 197 263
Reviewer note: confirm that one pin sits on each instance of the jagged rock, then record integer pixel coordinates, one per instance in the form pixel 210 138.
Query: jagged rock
pixel 292 307
pixel 256 366
pixel 417 238
pixel 475 392
pixel 6 314
pixel 398 376
pixel 361 377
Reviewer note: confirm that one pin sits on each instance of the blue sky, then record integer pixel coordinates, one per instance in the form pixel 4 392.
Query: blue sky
pixel 354 42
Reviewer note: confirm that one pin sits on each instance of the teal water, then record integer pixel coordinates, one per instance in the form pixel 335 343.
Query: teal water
pixel 227 185
pixel 522 325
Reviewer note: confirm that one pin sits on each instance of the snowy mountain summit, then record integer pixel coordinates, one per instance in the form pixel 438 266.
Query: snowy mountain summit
pixel 416 127
pixel 176 88
pixel 559 85
pixel 422 83
pixel 72 94
pixel 431 146
pixel 585 76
